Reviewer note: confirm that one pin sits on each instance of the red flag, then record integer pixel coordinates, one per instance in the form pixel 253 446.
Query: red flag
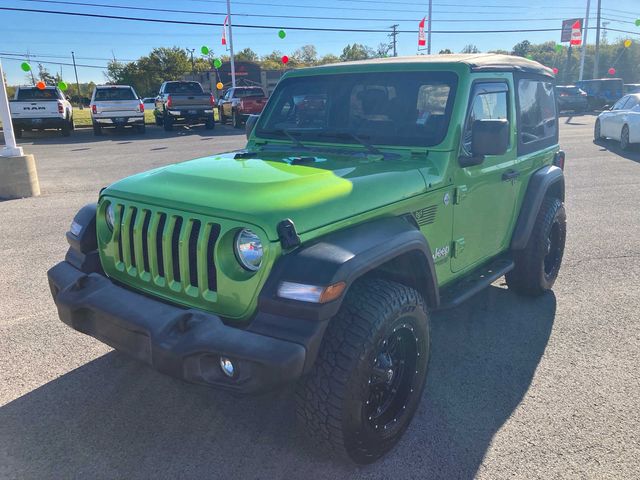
pixel 224 30
pixel 576 33
pixel 421 39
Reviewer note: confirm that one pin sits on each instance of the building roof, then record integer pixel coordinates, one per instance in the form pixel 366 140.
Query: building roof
pixel 480 62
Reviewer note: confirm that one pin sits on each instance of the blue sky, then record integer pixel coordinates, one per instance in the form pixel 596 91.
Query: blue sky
pixel 52 37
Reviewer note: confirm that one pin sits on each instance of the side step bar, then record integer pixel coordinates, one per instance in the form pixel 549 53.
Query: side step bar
pixel 454 295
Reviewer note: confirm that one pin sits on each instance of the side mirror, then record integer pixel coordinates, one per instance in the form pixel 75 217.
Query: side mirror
pixel 488 137
pixel 250 124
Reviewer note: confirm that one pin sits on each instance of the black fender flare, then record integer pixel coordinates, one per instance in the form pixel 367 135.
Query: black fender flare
pixel 546 180
pixel 83 241
pixel 345 256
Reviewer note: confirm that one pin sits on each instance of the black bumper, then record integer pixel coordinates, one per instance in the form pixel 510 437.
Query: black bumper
pixel 184 343
pixel 36 123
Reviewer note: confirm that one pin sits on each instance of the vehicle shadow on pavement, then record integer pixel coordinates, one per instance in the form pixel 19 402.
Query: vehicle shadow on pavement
pixel 612 146
pixel 116 418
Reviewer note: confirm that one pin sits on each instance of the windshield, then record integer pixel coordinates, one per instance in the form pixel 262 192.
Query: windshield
pixel 248 92
pixel 395 108
pixel 185 88
pixel 103 94
pixel 48 94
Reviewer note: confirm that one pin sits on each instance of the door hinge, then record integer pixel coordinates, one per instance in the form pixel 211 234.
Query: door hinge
pixel 458 247
pixel 459 193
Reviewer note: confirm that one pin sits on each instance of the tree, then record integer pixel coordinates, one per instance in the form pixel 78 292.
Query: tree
pixel 500 52
pixel 356 51
pixel 383 50
pixel 45 76
pixel 306 55
pixel 328 58
pixel 273 61
pixel 446 51
pixel 470 48
pixel 246 55
pixel 10 90
pixel 521 49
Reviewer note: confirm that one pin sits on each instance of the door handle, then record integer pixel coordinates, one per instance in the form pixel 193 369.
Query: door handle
pixel 510 175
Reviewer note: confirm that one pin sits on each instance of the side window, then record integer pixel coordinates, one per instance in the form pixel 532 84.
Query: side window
pixel 537 122
pixel 632 103
pixel 620 104
pixel 490 102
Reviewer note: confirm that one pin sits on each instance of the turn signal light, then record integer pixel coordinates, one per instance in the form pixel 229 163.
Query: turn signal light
pixel 311 293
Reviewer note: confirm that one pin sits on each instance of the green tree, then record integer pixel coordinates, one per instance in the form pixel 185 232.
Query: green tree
pixel 272 61
pixel 521 49
pixel 446 51
pixel 246 55
pixel 470 48
pixel 306 55
pixel 356 51
pixel 328 58
pixel 45 76
pixel 383 50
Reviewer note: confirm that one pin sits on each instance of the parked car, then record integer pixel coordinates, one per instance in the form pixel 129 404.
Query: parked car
pixel 631 88
pixel 116 106
pixel 318 253
pixel 183 103
pixel 621 122
pixel 602 92
pixel 240 102
pixel 571 98
pixel 39 109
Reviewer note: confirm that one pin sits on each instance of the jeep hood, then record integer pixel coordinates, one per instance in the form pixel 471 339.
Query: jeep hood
pixel 264 191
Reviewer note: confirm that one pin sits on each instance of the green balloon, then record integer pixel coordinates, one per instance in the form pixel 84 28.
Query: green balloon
pixel 25 67
pixel 217 63
pixel 62 85
pixel 638 22
pixel 205 50
pixel 558 48
pixel 282 34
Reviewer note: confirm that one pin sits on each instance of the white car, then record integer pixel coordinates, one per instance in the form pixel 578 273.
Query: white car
pixel 621 122
pixel 116 106
pixel 37 109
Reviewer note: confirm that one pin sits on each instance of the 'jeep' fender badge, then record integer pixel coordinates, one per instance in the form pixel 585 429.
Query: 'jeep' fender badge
pixel 446 198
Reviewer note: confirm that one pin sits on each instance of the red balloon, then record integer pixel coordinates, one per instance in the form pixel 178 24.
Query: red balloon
pixel 41 85
pixel 555 70
pixel 285 59
pixel 612 71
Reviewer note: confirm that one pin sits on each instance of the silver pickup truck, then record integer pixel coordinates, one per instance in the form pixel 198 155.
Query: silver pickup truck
pixel 183 103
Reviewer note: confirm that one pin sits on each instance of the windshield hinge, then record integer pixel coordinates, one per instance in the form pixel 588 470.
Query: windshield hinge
pixel 459 194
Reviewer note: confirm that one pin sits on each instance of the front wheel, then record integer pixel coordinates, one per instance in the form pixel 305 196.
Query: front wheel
pixel 597 133
pixel 624 138
pixel 367 381
pixel 236 120
pixel 538 265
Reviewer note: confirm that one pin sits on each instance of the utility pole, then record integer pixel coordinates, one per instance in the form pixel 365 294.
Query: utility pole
pixel 583 53
pixel 429 28
pixel 33 79
pixel 597 59
pixel 233 65
pixel 394 41
pixel 193 65
pixel 73 56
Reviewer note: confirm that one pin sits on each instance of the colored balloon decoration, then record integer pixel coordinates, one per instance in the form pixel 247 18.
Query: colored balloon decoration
pixel 282 34
pixel 627 43
pixel 217 63
pixel 285 59
pixel 25 67
pixel 638 22
pixel 62 86
pixel 40 85
pixel 219 86
pixel 612 71
pixel 204 50
pixel 555 70
pixel 558 48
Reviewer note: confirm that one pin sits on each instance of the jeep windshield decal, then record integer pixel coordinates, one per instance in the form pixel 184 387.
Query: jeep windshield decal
pixel 377 108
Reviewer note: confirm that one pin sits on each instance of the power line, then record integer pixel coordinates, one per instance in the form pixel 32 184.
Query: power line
pixel 48 62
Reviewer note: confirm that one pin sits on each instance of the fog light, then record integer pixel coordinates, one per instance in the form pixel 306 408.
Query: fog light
pixel 227 367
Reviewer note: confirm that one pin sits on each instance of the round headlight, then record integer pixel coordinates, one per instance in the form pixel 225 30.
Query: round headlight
pixel 249 249
pixel 110 216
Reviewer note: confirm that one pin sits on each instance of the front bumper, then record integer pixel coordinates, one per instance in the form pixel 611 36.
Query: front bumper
pixel 183 343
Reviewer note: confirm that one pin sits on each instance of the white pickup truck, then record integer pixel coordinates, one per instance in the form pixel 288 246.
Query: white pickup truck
pixel 116 106
pixel 38 109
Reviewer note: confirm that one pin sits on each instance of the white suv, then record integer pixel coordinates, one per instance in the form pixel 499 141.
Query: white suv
pixel 116 106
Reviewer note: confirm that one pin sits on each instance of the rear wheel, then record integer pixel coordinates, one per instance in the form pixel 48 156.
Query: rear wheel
pixel 221 116
pixel 236 119
pixel 538 265
pixel 167 121
pixel 209 124
pixel 624 138
pixel 597 134
pixel 97 129
pixel 367 381
pixel 66 128
pixel 158 120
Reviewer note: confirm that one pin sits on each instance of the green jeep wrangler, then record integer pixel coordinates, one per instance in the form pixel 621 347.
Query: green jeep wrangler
pixel 369 195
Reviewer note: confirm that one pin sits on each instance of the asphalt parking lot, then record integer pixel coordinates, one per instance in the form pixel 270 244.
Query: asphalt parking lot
pixel 518 388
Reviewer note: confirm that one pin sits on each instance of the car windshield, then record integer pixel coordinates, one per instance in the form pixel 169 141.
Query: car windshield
pixel 394 108
pixel 249 92
pixel 185 88
pixel 27 94
pixel 106 94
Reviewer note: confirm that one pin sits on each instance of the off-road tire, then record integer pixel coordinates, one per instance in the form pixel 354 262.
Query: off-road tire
pixel 236 120
pixel 597 135
pixel 209 124
pixel 66 128
pixel 97 130
pixel 167 122
pixel 624 138
pixel 158 120
pixel 332 400
pixel 537 266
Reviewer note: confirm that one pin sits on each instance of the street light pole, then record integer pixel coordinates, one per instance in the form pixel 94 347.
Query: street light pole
pixel 597 59
pixel 233 65
pixel 77 82
pixel 429 28
pixel 584 40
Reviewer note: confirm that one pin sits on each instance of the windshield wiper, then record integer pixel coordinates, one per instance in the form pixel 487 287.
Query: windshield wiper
pixel 346 134
pixel 289 134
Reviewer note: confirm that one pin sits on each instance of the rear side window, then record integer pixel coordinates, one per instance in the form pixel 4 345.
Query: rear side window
pixel 35 94
pixel 183 88
pixel 538 124
pixel 106 94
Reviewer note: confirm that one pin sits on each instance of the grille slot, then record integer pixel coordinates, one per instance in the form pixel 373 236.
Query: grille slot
pixel 426 216
pixel 172 253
